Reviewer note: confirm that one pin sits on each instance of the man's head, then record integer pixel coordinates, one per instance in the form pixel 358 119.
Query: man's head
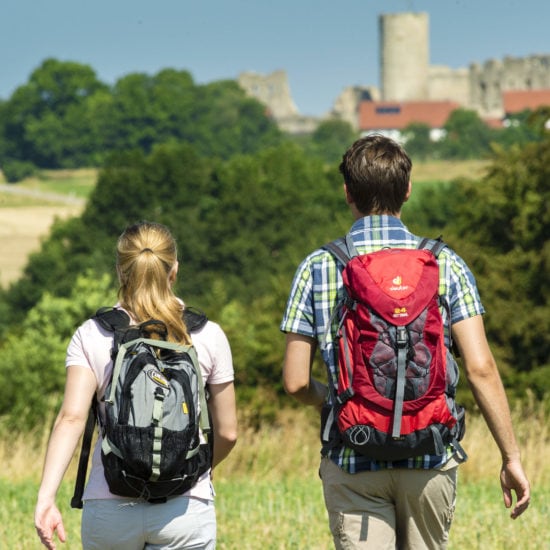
pixel 377 173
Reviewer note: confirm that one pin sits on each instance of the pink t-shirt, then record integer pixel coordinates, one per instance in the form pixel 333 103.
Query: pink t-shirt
pixel 90 348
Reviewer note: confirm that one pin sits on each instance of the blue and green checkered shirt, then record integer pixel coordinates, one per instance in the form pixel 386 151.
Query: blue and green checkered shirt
pixel 317 288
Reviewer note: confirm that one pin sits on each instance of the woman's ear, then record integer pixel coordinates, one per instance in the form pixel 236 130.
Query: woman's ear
pixel 173 273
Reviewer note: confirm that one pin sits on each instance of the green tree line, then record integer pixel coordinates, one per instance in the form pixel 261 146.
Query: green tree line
pixel 244 215
pixel 65 117
pixel 242 226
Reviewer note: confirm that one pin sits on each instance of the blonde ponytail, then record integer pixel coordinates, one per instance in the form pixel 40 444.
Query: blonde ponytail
pixel 146 267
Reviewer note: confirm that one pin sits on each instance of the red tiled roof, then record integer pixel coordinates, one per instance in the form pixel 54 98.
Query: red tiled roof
pixel 386 115
pixel 516 101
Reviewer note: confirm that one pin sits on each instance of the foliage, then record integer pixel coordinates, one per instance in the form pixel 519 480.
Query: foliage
pixel 17 170
pixel 65 117
pixel 244 224
pixel 242 227
pixel 34 352
pixel 418 142
pixel 42 122
pixel 331 138
pixel 502 224
pixel 466 136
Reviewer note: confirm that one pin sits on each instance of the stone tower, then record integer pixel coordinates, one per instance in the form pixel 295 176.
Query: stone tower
pixel 404 56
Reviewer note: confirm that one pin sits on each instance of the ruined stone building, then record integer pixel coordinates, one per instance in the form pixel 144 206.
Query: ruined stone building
pixel 407 77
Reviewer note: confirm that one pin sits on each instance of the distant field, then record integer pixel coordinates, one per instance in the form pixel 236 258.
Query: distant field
pixel 447 170
pixel 28 210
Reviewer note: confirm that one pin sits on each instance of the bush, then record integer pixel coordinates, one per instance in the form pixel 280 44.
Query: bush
pixel 17 170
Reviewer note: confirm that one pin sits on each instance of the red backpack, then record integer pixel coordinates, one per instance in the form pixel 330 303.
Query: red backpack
pixel 396 378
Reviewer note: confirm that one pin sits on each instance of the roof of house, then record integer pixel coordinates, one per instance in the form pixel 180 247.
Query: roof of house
pixel 387 115
pixel 516 101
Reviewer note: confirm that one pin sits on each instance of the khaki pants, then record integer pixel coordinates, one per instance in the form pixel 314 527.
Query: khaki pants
pixel 389 509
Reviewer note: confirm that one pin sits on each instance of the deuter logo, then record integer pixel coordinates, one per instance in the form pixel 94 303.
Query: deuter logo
pixel 397 284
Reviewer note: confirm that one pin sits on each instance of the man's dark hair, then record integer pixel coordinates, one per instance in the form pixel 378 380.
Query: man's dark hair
pixel 377 172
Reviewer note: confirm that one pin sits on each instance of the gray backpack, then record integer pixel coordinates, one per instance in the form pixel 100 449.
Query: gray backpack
pixel 155 411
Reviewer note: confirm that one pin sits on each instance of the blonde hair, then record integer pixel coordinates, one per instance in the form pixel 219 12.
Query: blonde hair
pixel 146 267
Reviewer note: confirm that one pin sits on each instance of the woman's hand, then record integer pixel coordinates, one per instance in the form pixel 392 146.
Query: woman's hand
pixel 48 520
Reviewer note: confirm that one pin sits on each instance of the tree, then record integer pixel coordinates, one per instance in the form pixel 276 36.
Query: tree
pixel 467 136
pixel 418 142
pixel 331 138
pixel 34 352
pixel 44 119
pixel 522 128
pixel 502 224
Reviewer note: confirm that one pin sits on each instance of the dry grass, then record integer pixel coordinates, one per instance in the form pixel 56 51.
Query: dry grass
pixel 289 446
pixel 447 170
pixel 21 231
pixel 269 494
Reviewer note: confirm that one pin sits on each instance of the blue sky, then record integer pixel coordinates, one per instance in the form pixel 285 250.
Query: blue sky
pixel 324 45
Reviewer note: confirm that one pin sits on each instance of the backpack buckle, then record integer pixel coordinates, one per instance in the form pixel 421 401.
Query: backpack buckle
pixel 402 337
pixel 344 396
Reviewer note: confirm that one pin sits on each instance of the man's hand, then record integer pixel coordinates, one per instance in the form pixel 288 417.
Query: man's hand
pixel 513 478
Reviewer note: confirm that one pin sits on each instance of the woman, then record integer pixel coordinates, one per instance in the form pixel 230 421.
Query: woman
pixel 147 267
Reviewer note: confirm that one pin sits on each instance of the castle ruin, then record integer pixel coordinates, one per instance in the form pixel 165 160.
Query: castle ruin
pixel 406 75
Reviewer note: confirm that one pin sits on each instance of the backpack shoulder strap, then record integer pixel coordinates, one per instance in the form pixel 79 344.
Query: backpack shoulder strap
pixel 76 500
pixel 194 319
pixel 112 318
pixel 433 245
pixel 342 249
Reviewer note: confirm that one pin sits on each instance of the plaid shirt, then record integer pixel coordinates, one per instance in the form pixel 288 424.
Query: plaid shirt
pixel 317 288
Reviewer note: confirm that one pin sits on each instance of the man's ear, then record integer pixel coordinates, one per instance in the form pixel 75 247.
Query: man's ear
pixel 409 191
pixel 349 199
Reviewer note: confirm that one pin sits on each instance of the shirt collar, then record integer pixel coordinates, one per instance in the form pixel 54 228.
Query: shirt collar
pixel 377 223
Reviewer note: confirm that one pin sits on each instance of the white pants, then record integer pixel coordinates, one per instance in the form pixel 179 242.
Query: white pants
pixel 123 524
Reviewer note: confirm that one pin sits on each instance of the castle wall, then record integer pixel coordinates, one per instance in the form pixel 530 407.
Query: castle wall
pixel 446 84
pixel 272 90
pixel 489 80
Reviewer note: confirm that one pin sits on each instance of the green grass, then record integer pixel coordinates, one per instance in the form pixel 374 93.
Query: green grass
pixel 73 183
pixel 269 496
pixel 289 514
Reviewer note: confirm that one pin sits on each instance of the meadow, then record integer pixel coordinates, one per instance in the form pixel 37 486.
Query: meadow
pixel 269 496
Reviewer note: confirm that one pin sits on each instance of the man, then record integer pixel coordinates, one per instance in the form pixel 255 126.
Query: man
pixel 410 503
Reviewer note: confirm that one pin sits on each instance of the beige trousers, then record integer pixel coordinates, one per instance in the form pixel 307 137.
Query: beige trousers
pixel 389 509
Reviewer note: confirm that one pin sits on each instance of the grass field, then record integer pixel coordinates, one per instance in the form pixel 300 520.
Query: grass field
pixel 269 496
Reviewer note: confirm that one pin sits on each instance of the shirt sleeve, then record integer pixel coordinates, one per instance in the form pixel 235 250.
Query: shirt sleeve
pixel 299 315
pixel 465 301
pixel 214 353
pixel 90 347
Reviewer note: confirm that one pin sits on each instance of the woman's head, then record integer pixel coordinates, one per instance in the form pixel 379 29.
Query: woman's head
pixel 377 173
pixel 147 266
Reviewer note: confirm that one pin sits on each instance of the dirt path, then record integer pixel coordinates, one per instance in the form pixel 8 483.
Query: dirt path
pixel 21 231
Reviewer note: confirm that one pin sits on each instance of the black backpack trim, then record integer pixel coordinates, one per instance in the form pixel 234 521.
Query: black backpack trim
pixel 117 321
